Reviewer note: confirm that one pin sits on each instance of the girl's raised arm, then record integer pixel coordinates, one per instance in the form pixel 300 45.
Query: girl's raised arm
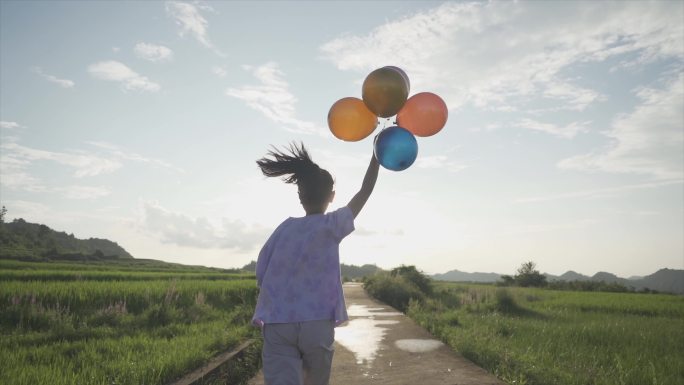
pixel 359 200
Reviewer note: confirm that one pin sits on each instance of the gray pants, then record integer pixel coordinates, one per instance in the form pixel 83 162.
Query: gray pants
pixel 298 353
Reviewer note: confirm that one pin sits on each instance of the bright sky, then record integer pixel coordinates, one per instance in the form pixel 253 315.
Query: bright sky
pixel 141 122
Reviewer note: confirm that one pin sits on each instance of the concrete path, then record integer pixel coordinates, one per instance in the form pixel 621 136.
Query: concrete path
pixel 382 346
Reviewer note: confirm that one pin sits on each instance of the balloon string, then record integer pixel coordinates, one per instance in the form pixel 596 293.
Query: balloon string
pixel 387 122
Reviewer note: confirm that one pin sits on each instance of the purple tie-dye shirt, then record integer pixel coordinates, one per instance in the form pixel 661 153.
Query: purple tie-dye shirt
pixel 298 270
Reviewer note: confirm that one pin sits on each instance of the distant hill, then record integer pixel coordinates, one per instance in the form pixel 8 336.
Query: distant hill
pixel 664 280
pixel 608 278
pixel 348 271
pixel 358 272
pixel 460 276
pixel 23 240
pixel 573 276
pixel 251 267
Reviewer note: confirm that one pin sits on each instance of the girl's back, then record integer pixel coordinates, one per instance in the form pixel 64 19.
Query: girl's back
pixel 298 269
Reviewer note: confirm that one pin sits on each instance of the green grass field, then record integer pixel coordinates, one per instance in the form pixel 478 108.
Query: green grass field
pixel 118 323
pixel 541 337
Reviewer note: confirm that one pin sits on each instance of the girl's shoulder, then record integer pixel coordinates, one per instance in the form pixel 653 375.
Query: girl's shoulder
pixel 343 212
pixel 341 221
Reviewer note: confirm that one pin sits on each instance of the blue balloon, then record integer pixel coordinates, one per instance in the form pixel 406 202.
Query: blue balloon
pixel 396 148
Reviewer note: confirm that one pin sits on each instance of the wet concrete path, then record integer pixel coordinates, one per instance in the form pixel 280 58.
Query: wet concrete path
pixel 382 346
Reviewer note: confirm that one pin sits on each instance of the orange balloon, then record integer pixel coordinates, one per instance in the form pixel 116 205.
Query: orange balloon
pixel 385 91
pixel 349 119
pixel 424 114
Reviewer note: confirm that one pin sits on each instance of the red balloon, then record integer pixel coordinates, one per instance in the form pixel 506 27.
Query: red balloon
pixel 424 114
pixel 349 119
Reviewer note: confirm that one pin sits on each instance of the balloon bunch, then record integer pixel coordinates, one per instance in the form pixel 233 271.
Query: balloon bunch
pixel 385 94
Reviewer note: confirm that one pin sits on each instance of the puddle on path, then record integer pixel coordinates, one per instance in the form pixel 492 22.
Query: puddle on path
pixel 365 311
pixel 418 346
pixel 362 337
pixel 363 333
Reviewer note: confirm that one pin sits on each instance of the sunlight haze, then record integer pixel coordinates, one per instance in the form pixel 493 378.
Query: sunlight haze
pixel 141 122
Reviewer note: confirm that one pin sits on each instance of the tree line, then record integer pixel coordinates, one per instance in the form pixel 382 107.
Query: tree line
pixel 528 276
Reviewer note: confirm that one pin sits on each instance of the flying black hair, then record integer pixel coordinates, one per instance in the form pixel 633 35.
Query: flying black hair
pixel 296 167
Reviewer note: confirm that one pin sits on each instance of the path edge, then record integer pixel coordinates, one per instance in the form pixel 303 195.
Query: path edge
pixel 214 365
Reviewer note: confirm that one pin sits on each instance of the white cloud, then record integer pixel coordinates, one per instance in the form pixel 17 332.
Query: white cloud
pixel 64 83
pixel 118 72
pixel 62 219
pixel 649 140
pixel 10 125
pixel 12 170
pixel 441 162
pixel 182 230
pixel 30 211
pixel 14 176
pixel 571 97
pixel 273 98
pixel 84 192
pixel 153 52
pixel 191 22
pixel 568 131
pixel 118 153
pixel 85 164
pixel 511 54
pixel 598 193
pixel 219 71
pixel 16 162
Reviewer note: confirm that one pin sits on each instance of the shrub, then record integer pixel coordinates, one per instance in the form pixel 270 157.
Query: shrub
pixel 160 315
pixel 411 274
pixel 393 290
pixel 528 276
pixel 505 302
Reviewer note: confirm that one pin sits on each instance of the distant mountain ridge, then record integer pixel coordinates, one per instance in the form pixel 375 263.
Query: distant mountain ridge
pixel 358 272
pixel 24 240
pixel 569 276
pixel 461 276
pixel 665 280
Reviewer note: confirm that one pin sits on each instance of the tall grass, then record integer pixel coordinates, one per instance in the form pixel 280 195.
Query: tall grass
pixel 137 358
pixel 82 297
pixel 99 275
pixel 147 330
pixel 540 337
